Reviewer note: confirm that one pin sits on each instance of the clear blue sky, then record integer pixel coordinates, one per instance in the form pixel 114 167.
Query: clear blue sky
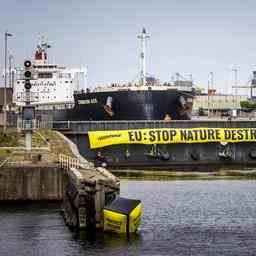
pixel 187 36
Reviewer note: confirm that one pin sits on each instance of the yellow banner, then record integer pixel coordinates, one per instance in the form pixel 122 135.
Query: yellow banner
pixel 99 139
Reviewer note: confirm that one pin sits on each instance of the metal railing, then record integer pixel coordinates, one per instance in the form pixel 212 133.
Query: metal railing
pixel 24 96
pixel 44 124
pixel 3 162
pixel 85 126
pixel 34 124
pixel 67 162
pixel 61 125
pixel 27 125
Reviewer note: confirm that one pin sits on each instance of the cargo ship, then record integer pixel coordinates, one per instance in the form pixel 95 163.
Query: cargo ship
pixel 53 85
pixel 148 99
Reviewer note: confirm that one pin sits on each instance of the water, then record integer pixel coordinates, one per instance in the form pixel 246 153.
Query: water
pixel 180 218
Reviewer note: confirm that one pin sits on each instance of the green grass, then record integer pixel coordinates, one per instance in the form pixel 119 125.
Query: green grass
pixel 4 153
pixel 57 144
pixel 15 139
pixel 40 139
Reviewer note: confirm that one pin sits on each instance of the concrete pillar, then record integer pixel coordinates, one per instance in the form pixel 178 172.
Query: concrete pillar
pixel 28 140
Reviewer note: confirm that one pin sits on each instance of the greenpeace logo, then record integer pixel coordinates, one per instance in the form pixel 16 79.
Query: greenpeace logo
pixel 110 136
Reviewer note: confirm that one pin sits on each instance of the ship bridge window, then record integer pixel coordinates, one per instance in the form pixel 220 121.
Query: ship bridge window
pixel 52 66
pixel 65 75
pixel 45 75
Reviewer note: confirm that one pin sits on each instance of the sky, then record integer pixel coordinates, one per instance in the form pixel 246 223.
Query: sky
pixel 187 36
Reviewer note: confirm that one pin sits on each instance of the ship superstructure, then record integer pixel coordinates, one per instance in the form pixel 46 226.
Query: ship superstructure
pixel 51 84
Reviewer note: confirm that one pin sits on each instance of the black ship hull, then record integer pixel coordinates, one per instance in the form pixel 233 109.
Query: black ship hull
pixel 129 105
pixel 132 105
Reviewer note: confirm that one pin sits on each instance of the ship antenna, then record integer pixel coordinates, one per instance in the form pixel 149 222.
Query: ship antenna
pixel 43 46
pixel 143 37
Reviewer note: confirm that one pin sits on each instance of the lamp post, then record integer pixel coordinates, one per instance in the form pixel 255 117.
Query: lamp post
pixel 10 70
pixel 208 98
pixel 6 35
pixel 210 90
pixel 235 85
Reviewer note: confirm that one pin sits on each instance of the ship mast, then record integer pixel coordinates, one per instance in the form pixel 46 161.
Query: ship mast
pixel 143 37
pixel 41 53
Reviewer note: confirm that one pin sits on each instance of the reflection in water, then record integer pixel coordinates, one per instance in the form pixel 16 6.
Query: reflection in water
pixel 180 218
pixel 107 241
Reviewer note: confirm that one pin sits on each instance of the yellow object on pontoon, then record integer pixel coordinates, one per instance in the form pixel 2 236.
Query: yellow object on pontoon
pixel 122 216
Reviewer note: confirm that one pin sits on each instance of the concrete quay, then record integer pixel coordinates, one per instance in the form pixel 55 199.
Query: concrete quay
pixel 58 173
pixel 86 194
pixel 31 183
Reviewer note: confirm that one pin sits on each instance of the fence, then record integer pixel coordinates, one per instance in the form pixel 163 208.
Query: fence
pixel 34 124
pixel 2 119
pixel 44 124
pixel 82 127
pixel 27 124
pixel 67 162
pixel 3 162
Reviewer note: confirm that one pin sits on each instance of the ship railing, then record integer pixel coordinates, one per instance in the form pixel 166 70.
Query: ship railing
pixel 31 97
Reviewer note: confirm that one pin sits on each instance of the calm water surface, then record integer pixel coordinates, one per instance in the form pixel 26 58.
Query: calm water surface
pixel 180 218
